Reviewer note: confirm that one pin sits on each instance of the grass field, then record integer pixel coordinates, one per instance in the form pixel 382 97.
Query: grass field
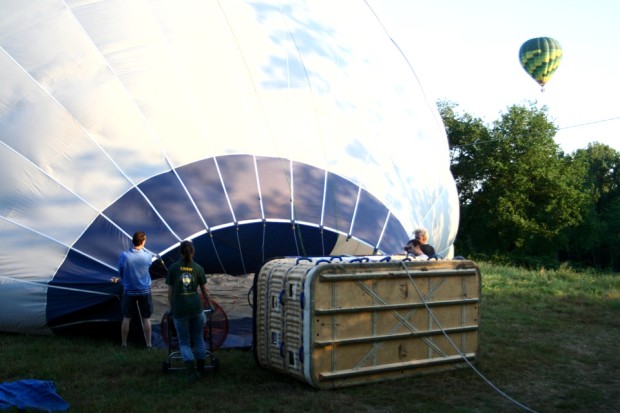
pixel 548 343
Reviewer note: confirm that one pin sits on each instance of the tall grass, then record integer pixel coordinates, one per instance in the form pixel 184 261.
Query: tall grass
pixel 548 340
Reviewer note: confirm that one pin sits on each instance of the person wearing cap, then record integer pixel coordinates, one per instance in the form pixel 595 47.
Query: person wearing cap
pixel 185 277
pixel 133 269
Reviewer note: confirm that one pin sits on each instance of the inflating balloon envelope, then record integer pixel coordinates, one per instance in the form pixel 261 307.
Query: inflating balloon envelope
pixel 257 129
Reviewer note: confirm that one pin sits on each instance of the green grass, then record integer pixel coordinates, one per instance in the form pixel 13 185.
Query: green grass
pixel 548 339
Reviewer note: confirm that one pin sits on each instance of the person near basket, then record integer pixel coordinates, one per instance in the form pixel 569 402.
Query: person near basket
pixel 133 269
pixel 422 235
pixel 185 277
pixel 414 249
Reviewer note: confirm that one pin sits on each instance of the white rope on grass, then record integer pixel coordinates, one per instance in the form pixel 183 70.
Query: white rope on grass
pixel 497 389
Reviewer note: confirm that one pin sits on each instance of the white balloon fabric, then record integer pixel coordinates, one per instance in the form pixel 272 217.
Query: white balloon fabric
pixel 255 128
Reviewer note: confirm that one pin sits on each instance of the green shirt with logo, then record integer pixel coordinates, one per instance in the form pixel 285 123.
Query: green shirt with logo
pixel 185 278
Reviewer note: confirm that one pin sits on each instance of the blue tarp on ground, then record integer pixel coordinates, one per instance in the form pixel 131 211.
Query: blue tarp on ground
pixel 239 333
pixel 31 394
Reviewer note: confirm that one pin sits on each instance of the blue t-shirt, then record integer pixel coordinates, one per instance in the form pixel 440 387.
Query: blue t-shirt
pixel 133 267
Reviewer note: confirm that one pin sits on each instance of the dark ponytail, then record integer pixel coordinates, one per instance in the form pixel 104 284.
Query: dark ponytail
pixel 187 251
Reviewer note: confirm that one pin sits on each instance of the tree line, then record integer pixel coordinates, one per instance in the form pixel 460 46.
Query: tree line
pixel 526 202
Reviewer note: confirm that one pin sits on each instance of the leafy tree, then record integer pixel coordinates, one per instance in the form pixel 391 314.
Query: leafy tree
pixel 464 132
pixel 518 191
pixel 596 241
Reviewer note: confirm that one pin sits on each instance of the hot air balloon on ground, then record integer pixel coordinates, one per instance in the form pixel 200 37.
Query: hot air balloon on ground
pixel 540 57
pixel 255 129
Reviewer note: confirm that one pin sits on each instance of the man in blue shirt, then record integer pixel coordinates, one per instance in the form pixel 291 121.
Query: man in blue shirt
pixel 133 267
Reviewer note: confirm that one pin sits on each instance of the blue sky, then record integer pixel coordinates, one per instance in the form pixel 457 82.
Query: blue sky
pixel 467 52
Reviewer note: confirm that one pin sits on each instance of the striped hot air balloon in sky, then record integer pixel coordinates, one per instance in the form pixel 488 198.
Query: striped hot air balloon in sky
pixel 540 57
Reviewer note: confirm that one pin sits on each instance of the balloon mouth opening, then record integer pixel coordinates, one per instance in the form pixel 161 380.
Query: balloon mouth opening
pixel 245 256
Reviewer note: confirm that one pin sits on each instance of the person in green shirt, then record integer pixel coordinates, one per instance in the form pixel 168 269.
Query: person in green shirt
pixel 185 277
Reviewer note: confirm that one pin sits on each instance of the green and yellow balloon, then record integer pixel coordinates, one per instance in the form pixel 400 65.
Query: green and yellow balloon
pixel 540 57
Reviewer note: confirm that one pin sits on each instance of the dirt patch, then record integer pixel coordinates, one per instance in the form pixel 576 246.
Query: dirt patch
pixel 230 292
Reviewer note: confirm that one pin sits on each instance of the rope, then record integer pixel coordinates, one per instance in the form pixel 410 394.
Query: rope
pixel 558 128
pixel 590 123
pixel 497 389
